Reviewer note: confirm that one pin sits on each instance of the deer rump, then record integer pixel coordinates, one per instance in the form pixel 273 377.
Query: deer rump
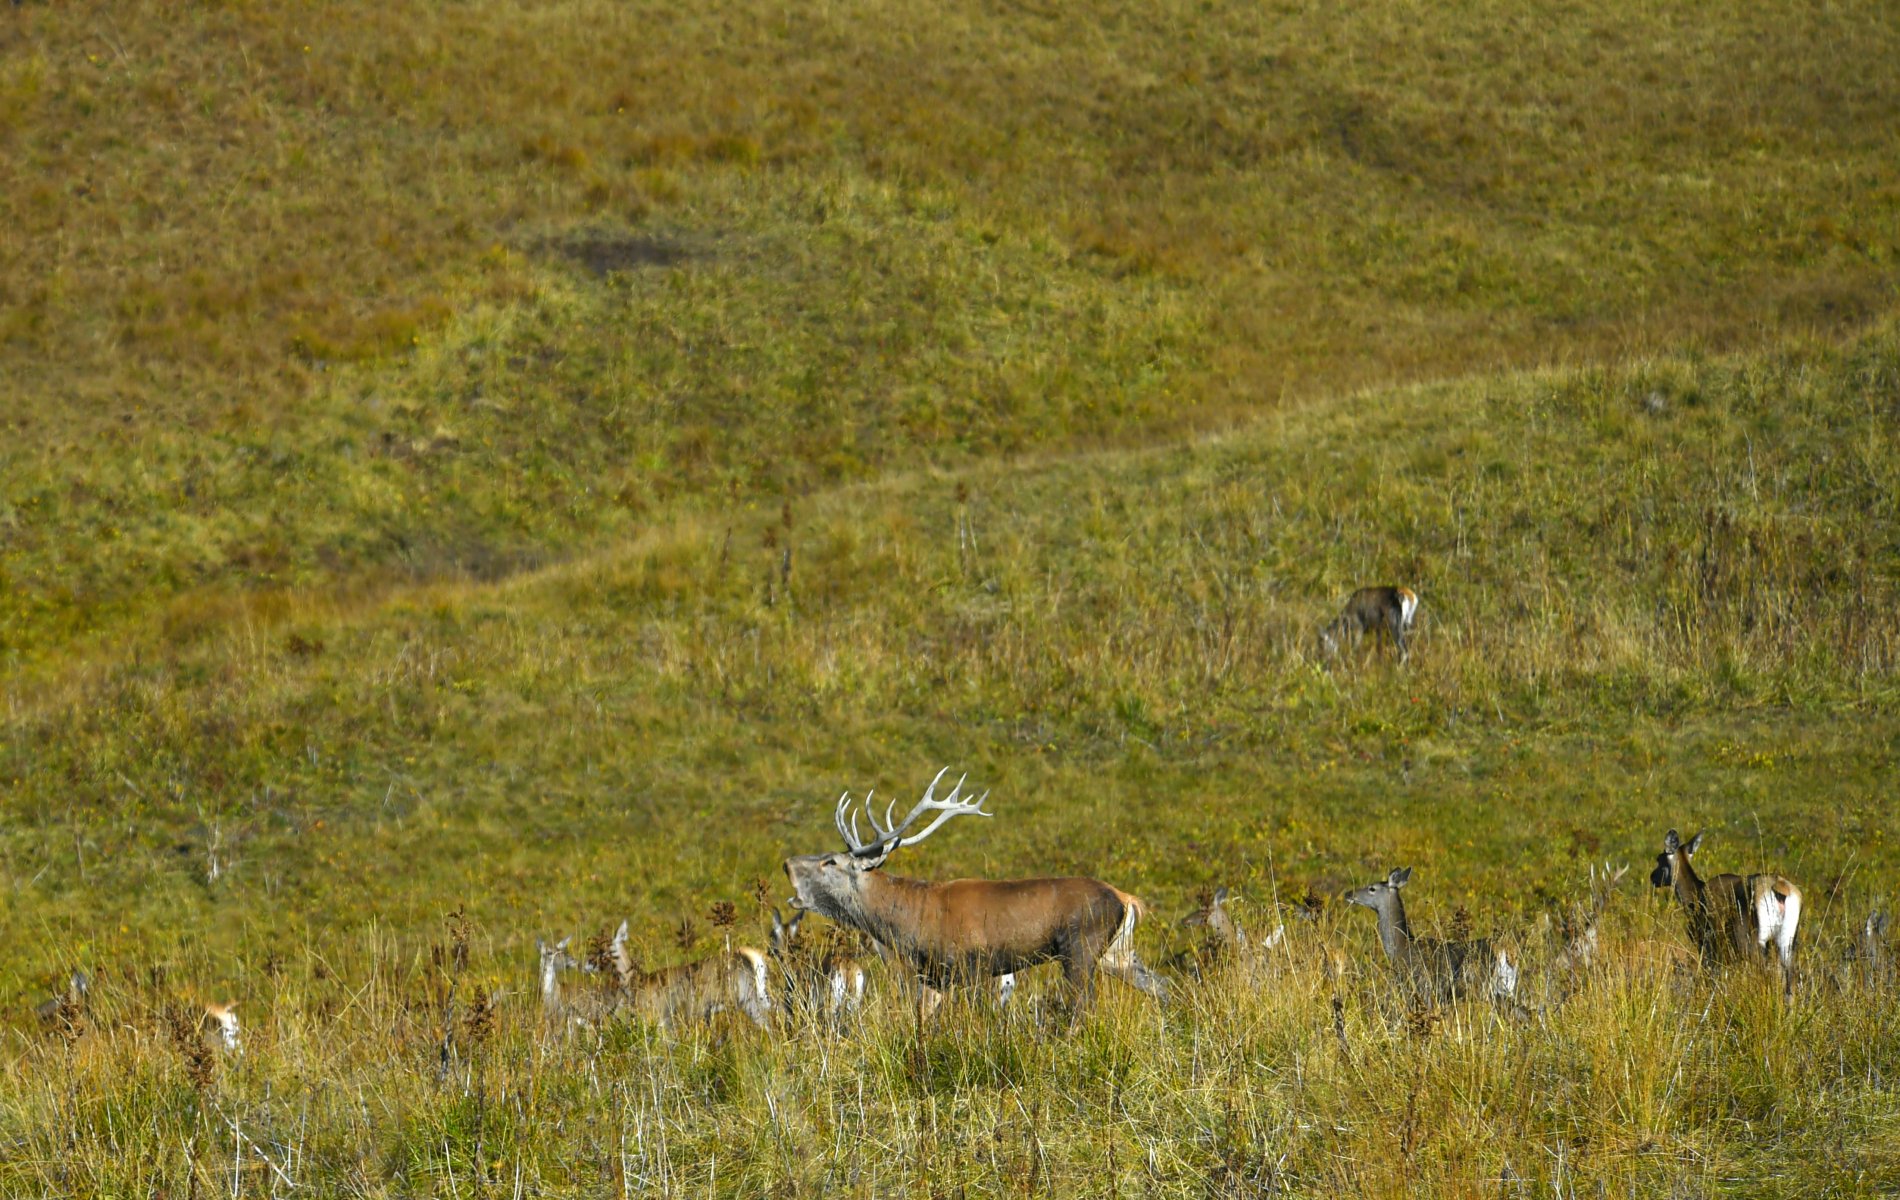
pixel 969 930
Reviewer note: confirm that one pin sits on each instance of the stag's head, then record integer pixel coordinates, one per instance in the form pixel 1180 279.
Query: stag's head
pixel 1665 873
pixel 833 884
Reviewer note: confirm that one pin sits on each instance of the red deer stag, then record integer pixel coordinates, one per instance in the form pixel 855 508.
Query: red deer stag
pixel 1731 918
pixel 967 930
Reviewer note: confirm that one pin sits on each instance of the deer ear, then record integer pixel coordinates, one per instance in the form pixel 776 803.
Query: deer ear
pixel 620 934
pixel 778 924
pixel 1695 841
pixel 1671 842
pixel 562 944
pixel 540 946
pixel 1220 896
pixel 1400 877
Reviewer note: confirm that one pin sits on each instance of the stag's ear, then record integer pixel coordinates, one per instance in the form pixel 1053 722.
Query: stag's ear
pixel 562 944
pixel 1400 877
pixel 1694 842
pixel 778 925
pixel 620 934
pixel 1220 896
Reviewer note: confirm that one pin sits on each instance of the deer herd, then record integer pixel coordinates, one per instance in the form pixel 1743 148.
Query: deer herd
pixel 979 933
pixel 966 933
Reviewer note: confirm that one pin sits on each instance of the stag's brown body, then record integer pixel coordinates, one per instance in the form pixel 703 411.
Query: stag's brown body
pixel 967 930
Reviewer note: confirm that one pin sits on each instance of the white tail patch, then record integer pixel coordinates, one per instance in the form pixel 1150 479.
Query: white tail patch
pixel 223 1019
pixel 1120 954
pixel 1777 915
pixel 757 1005
pixel 1504 983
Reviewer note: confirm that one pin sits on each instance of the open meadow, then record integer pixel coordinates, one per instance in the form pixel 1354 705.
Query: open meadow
pixel 478 473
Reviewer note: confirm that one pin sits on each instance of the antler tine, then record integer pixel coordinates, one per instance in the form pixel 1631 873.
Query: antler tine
pixel 947 809
pixel 848 832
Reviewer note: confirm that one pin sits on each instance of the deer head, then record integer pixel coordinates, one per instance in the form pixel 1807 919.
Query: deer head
pixel 1665 873
pixel 834 884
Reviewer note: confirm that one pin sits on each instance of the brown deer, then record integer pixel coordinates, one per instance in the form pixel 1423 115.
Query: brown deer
pixel 1430 969
pixel 967 930
pixel 831 983
pixel 1374 610
pixel 695 991
pixel 1731 918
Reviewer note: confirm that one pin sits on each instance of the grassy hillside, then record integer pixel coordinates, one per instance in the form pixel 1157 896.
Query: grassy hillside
pixel 321 294
pixel 482 472
pixel 1651 599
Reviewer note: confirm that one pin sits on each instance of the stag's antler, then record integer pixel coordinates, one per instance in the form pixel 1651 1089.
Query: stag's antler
pixel 889 836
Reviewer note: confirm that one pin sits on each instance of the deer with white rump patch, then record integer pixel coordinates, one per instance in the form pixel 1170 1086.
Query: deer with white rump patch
pixel 695 991
pixel 1431 969
pixel 1731 918
pixel 1374 610
pixel 968 930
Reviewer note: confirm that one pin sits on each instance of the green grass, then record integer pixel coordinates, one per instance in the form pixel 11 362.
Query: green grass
pixel 1119 644
pixel 528 460
pixel 285 299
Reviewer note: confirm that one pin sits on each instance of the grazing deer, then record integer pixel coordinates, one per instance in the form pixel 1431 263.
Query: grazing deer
pixel 1731 918
pixel 831 983
pixel 1432 969
pixel 1371 610
pixel 967 930
pixel 695 991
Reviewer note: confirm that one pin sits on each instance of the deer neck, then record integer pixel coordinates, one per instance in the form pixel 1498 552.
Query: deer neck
pixel 1691 893
pixel 550 985
pixel 887 908
pixel 1395 932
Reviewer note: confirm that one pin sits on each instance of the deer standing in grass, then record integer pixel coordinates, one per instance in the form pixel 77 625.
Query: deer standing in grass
pixel 1374 610
pixel 1228 941
pixel 1434 970
pixel 695 991
pixel 968 930
pixel 584 1002
pixel 831 983
pixel 1731 918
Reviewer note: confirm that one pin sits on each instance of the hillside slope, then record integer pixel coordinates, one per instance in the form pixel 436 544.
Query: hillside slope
pixel 338 294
